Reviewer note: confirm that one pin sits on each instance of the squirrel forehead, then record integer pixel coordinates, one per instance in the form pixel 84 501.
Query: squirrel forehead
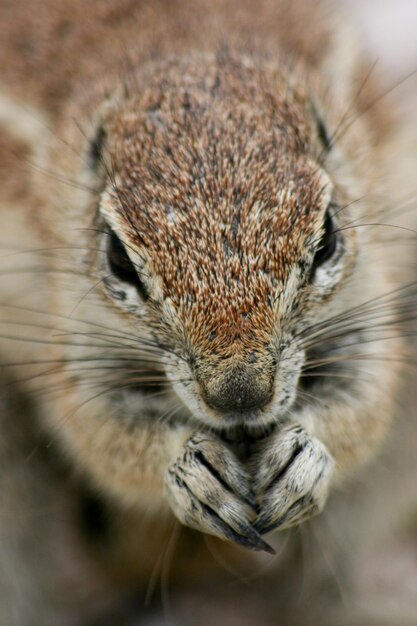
pixel 218 186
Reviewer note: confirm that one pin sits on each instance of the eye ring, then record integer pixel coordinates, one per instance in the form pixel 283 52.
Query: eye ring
pixel 327 245
pixel 121 266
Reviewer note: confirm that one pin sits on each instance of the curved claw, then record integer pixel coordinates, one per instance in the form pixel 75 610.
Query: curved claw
pixel 294 473
pixel 209 490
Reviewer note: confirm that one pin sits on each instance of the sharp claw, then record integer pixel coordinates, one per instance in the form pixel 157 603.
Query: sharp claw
pixel 258 543
pixel 259 546
pixel 209 511
pixel 250 539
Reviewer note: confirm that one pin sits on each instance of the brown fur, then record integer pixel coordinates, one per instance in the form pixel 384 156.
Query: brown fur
pixel 55 47
pixel 196 131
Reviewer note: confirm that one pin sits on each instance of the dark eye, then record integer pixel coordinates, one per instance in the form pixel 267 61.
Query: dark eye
pixel 327 245
pixel 122 267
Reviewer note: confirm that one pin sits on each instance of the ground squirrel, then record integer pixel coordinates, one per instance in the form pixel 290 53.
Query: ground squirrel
pixel 199 312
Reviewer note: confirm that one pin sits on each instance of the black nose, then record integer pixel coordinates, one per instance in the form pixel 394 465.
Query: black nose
pixel 241 389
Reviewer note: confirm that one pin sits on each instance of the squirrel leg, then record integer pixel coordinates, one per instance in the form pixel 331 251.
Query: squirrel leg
pixel 209 490
pixel 292 475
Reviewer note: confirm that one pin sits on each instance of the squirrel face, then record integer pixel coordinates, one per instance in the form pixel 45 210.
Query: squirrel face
pixel 219 232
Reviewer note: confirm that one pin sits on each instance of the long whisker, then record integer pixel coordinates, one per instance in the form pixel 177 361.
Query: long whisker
pixel 64 317
pixel 359 309
pixel 334 136
pixel 374 224
pixel 49 173
pixel 358 115
pixel 359 357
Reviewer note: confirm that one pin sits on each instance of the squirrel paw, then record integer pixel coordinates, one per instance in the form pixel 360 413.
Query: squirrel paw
pixel 208 489
pixel 292 475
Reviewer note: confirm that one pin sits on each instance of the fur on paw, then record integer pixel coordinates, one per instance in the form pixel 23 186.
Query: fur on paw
pixel 209 490
pixel 292 474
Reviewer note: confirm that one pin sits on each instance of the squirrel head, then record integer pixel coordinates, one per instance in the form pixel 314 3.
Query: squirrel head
pixel 218 223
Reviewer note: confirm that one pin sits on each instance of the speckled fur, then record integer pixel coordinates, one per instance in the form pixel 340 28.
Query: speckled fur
pixel 196 131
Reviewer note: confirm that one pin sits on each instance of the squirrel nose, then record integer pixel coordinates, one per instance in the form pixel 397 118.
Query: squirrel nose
pixel 241 389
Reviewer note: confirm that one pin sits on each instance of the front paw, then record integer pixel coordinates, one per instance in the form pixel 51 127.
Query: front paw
pixel 208 489
pixel 292 475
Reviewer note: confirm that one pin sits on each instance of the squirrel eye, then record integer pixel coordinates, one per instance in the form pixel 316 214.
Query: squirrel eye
pixel 327 245
pixel 122 267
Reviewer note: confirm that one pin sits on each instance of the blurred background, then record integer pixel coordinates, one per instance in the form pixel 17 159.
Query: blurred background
pixel 389 35
pixel 390 31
